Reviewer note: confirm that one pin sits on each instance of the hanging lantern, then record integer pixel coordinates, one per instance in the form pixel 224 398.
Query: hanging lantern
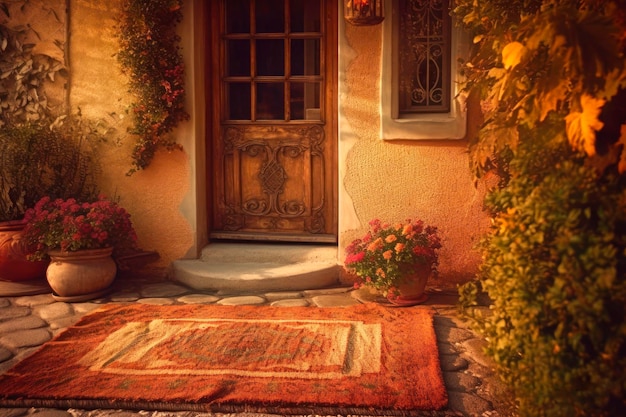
pixel 363 12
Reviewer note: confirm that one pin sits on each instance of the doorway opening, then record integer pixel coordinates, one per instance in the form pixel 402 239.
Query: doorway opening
pixel 272 139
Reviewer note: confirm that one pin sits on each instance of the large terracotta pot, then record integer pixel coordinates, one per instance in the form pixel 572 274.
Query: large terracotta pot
pixel 14 263
pixel 411 290
pixel 81 275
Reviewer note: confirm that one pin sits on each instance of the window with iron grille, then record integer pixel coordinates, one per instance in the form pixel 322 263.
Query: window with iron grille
pixel 420 90
pixel 424 41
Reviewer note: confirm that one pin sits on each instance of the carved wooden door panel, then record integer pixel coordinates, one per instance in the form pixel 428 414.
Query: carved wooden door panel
pixel 274 130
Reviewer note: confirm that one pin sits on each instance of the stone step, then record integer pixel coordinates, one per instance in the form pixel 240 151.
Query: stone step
pixel 259 267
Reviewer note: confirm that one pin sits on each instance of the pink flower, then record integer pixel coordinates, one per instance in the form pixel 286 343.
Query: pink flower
pixel 354 258
pixel 70 225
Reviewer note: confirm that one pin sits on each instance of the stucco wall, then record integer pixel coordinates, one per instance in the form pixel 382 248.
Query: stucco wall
pixel 153 196
pixel 406 179
pixel 390 180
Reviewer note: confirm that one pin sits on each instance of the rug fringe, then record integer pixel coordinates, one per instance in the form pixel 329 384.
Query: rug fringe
pixel 213 408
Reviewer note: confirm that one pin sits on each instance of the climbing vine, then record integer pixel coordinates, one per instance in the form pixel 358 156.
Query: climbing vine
pixel 150 56
pixel 26 68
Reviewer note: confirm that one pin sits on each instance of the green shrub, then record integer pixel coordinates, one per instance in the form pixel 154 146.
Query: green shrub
pixel 38 160
pixel 554 264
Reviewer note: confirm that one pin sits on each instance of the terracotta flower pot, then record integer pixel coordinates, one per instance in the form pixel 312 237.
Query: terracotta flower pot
pixel 81 275
pixel 411 290
pixel 14 263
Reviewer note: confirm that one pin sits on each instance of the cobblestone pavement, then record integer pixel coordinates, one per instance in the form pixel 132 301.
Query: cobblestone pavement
pixel 27 322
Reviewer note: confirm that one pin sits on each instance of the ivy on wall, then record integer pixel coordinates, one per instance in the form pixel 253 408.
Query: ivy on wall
pixel 25 68
pixel 150 55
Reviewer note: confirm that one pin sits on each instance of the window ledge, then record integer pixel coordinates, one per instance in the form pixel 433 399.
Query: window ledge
pixel 450 125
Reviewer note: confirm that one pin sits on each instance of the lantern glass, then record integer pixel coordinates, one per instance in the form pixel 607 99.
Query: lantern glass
pixel 363 12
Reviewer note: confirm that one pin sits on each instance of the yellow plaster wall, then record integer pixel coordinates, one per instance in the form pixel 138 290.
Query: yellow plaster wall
pixel 398 180
pixel 153 196
pixel 390 180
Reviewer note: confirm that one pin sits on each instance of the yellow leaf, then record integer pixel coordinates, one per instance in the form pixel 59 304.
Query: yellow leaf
pixel 582 126
pixel 512 54
pixel 496 72
pixel 553 91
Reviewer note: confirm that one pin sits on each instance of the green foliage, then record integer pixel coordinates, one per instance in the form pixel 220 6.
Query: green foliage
pixel 24 72
pixel 532 58
pixel 551 76
pixel 149 54
pixel 38 160
pixel 554 265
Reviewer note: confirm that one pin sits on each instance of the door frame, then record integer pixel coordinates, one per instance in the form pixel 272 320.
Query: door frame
pixel 212 116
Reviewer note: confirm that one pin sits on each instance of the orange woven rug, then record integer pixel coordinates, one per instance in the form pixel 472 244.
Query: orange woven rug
pixel 366 359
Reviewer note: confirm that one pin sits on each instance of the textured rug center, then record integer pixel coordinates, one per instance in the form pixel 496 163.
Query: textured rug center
pixel 362 360
pixel 312 349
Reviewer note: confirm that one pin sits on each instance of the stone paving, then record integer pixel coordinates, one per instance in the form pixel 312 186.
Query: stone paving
pixel 27 322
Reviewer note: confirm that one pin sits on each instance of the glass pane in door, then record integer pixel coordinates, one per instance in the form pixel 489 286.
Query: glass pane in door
pixel 238 58
pixel 270 57
pixel 238 16
pixel 305 57
pixel 239 101
pixel 305 101
pixel 304 16
pixel 270 101
pixel 270 16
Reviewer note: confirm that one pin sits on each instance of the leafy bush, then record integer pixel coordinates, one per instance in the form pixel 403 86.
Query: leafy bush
pixel 38 160
pixel 534 58
pixel 554 266
pixel 551 79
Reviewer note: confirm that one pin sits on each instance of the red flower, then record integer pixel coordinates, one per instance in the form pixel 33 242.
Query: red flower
pixel 70 225
pixel 380 258
pixel 355 257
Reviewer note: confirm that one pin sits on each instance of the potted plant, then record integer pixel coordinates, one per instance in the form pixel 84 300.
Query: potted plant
pixel 396 260
pixel 81 239
pixel 38 159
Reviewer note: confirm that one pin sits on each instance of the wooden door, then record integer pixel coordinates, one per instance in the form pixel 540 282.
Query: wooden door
pixel 273 138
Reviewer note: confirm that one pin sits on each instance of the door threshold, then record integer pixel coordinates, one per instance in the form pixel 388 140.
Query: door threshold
pixel 266 237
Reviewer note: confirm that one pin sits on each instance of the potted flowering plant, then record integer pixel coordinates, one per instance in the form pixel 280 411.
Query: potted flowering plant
pixel 38 159
pixel 395 258
pixel 70 225
pixel 81 239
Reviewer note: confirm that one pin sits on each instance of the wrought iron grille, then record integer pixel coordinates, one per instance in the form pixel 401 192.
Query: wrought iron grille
pixel 424 41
